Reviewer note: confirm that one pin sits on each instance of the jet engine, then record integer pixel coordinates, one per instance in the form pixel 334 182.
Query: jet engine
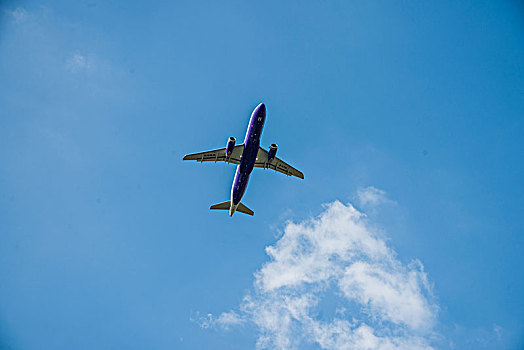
pixel 272 152
pixel 230 145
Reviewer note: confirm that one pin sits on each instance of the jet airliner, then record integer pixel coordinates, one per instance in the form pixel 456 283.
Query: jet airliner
pixel 247 156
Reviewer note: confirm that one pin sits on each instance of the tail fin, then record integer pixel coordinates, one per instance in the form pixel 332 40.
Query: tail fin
pixel 227 205
pixel 221 206
pixel 243 209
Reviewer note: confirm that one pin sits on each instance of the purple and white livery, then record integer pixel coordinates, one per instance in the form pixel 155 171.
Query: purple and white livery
pixel 247 156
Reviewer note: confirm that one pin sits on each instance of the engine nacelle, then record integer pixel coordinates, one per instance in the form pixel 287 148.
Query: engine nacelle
pixel 272 152
pixel 230 145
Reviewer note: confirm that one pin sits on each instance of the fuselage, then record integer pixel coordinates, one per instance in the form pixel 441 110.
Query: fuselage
pixel 249 156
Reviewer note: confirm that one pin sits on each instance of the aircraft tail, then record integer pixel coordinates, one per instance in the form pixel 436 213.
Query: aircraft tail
pixel 227 206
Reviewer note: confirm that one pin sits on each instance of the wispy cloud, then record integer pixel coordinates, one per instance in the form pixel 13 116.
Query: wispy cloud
pixel 47 44
pixel 78 62
pixel 336 259
pixel 372 197
pixel 18 15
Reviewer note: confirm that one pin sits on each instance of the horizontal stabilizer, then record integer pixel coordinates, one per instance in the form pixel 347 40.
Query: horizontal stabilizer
pixel 227 206
pixel 243 209
pixel 221 206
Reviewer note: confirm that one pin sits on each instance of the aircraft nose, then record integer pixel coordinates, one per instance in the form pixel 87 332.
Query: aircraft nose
pixel 261 109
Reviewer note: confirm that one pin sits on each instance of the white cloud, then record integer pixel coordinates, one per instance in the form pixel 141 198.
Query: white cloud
pixel 392 292
pixel 372 197
pixel 228 319
pixel 380 303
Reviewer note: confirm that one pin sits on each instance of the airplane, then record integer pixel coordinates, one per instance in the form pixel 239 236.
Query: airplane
pixel 247 156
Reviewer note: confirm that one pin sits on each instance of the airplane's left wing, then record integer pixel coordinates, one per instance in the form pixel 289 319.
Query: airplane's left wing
pixel 218 155
pixel 276 164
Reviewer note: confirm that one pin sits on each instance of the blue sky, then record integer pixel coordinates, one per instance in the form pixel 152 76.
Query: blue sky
pixel 405 117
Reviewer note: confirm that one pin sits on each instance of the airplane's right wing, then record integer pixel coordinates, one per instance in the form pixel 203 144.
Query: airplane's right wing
pixel 276 164
pixel 218 155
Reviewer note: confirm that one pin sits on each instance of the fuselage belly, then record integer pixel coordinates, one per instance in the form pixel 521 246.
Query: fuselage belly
pixel 249 155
